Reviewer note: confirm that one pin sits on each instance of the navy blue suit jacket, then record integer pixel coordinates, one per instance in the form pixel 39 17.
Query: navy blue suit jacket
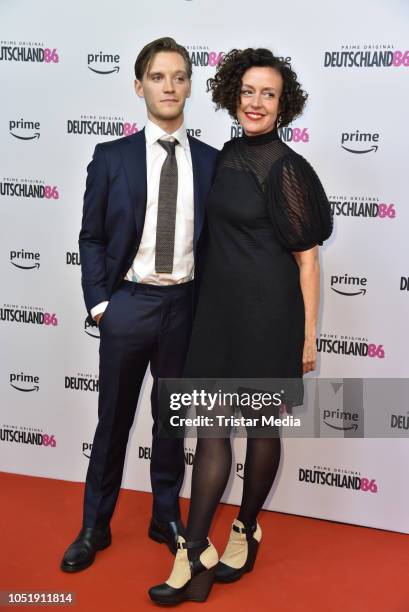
pixel 114 210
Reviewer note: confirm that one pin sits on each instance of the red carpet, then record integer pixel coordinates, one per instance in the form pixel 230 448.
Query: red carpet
pixel 304 564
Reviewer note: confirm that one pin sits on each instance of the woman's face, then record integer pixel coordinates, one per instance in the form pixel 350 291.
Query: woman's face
pixel 261 89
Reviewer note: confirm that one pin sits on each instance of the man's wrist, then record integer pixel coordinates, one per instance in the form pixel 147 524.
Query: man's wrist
pixel 99 309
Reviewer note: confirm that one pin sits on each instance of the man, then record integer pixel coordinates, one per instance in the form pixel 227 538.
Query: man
pixel 143 215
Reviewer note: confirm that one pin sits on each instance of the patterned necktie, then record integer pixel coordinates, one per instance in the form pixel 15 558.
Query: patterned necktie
pixel 165 228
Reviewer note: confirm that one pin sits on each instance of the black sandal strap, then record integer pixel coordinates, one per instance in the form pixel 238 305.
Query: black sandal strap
pixel 196 567
pixel 247 530
pixel 194 544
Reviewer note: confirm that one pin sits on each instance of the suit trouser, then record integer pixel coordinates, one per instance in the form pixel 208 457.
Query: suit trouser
pixel 143 324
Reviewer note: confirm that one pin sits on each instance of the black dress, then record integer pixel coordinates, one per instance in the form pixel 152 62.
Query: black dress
pixel 266 201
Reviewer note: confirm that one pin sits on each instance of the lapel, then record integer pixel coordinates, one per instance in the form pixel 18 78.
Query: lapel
pixel 134 160
pixel 197 188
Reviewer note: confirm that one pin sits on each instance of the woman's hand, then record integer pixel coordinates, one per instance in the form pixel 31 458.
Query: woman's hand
pixel 308 263
pixel 309 357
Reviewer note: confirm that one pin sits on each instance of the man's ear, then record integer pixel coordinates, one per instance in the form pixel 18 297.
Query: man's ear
pixel 139 88
pixel 190 89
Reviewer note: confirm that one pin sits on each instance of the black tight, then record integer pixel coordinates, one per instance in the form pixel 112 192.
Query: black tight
pixel 211 471
pixel 262 461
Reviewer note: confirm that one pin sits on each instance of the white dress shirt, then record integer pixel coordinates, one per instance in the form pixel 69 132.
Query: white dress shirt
pixel 143 266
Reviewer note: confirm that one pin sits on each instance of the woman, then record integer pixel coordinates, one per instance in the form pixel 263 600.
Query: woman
pixel 258 306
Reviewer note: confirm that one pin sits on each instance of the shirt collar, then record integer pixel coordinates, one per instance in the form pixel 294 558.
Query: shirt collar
pixel 153 133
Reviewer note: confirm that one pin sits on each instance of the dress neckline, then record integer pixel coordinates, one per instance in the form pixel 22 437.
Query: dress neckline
pixel 261 138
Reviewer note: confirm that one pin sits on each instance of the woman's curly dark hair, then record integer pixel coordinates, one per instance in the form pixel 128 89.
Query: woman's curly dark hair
pixel 227 82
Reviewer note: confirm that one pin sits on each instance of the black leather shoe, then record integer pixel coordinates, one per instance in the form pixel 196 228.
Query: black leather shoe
pixel 81 553
pixel 166 532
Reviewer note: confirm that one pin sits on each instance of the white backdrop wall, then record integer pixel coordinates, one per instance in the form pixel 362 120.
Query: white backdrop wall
pixel 61 66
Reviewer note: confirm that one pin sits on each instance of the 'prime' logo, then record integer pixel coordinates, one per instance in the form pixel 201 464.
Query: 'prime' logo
pixel 102 63
pixel 357 140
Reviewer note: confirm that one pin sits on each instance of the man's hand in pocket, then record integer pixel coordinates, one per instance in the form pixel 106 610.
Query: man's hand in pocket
pixel 98 317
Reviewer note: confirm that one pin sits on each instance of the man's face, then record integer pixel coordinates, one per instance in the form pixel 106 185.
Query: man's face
pixel 165 86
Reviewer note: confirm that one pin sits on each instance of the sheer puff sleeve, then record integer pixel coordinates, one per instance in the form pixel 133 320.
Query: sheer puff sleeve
pixel 297 204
